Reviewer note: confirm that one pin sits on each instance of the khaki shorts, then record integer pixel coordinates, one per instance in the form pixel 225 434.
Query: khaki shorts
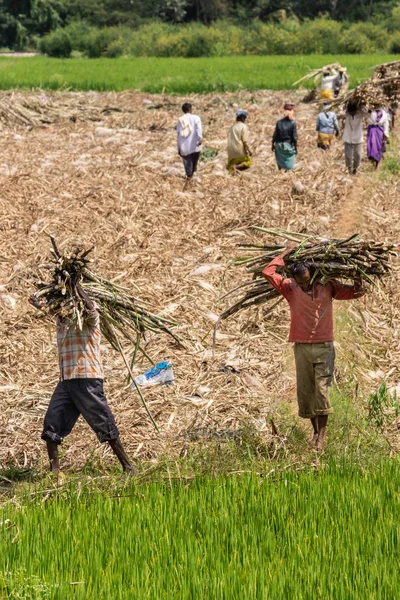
pixel 314 374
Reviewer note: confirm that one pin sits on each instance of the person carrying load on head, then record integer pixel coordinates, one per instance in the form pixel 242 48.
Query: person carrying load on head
pixel 340 82
pixel 239 153
pixel 353 135
pixel 190 135
pixel 311 331
pixel 327 127
pixel 284 140
pixel 378 135
pixel 328 77
pixel 80 388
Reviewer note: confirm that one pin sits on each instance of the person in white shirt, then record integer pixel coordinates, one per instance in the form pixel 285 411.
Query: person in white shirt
pixel 353 136
pixel 328 77
pixel 190 136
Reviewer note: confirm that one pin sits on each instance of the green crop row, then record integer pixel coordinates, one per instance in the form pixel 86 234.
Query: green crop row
pixel 174 75
pixel 325 534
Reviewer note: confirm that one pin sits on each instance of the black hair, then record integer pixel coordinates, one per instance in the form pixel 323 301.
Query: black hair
pixel 352 107
pixel 186 107
pixel 299 269
pixel 241 118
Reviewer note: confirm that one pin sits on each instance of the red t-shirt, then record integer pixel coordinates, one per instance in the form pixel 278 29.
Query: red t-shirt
pixel 311 316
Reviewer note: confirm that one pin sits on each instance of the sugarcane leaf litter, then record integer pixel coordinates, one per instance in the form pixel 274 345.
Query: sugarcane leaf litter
pixel 116 183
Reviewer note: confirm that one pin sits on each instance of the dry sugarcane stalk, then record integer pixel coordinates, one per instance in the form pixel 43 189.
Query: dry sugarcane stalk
pixel 348 259
pixel 119 311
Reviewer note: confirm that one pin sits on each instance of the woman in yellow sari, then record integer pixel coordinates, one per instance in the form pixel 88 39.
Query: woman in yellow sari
pixel 239 153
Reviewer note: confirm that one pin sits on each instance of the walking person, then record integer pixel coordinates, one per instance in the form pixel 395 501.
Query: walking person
pixel 189 132
pixel 239 153
pixel 328 77
pixel 311 331
pixel 377 136
pixel 284 140
pixel 341 82
pixel 353 136
pixel 327 127
pixel 80 389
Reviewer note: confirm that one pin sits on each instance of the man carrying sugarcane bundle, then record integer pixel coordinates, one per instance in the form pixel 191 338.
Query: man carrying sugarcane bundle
pixel 311 331
pixel 80 389
pixel 328 77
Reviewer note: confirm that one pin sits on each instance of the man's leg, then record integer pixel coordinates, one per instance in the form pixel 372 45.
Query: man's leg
pixel 314 439
pixel 195 160
pixel 357 155
pixel 305 380
pixel 122 456
pixel 88 396
pixel 52 451
pixel 322 422
pixel 348 155
pixel 61 416
pixel 324 359
pixel 188 164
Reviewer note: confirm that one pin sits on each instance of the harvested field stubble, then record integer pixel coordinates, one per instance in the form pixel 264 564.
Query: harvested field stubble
pixel 117 184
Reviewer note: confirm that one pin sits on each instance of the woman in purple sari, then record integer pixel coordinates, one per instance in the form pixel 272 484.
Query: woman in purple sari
pixel 378 133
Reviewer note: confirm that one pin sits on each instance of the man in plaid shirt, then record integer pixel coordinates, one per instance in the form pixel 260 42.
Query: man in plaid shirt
pixel 80 389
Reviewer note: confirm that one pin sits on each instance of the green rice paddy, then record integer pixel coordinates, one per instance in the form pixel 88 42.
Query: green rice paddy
pixel 174 75
pixel 327 533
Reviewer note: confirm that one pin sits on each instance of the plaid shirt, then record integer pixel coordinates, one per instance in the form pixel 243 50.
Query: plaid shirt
pixel 79 351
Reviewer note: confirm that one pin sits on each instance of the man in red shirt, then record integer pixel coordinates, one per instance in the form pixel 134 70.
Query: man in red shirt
pixel 311 331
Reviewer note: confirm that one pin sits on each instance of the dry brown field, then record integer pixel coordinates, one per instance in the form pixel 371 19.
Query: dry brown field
pixel 102 169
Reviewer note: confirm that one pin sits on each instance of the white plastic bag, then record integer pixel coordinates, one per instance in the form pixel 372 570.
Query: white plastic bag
pixel 161 373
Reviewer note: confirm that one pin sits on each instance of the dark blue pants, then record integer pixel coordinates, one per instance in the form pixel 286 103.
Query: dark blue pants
pixel 190 163
pixel 74 397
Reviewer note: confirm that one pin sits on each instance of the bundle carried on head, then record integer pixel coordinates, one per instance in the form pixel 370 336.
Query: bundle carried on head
pixel 72 279
pixel 317 74
pixel 379 91
pixel 73 285
pixel 369 96
pixel 347 259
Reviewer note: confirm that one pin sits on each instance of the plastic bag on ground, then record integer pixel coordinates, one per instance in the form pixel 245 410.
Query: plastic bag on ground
pixel 161 373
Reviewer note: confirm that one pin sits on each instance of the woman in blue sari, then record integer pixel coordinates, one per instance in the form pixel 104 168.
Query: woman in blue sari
pixel 284 140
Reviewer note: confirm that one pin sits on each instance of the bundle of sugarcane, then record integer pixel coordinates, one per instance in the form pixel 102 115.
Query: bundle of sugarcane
pixel 121 315
pixel 387 70
pixel 349 259
pixel 316 74
pixel 370 95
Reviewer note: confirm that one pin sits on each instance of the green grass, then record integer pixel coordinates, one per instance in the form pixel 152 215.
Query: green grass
pixel 327 534
pixel 174 75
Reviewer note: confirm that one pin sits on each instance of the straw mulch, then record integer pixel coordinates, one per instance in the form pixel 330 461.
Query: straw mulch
pixel 117 184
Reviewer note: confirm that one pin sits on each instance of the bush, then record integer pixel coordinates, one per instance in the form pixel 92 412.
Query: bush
pixel 57 44
pixel 375 33
pixel 99 40
pixel 319 37
pixel 79 32
pixel 271 39
pixel 115 49
pixel 355 43
pixel 394 44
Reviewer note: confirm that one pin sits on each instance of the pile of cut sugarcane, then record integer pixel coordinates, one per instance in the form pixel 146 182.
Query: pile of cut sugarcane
pixel 121 315
pixel 347 259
